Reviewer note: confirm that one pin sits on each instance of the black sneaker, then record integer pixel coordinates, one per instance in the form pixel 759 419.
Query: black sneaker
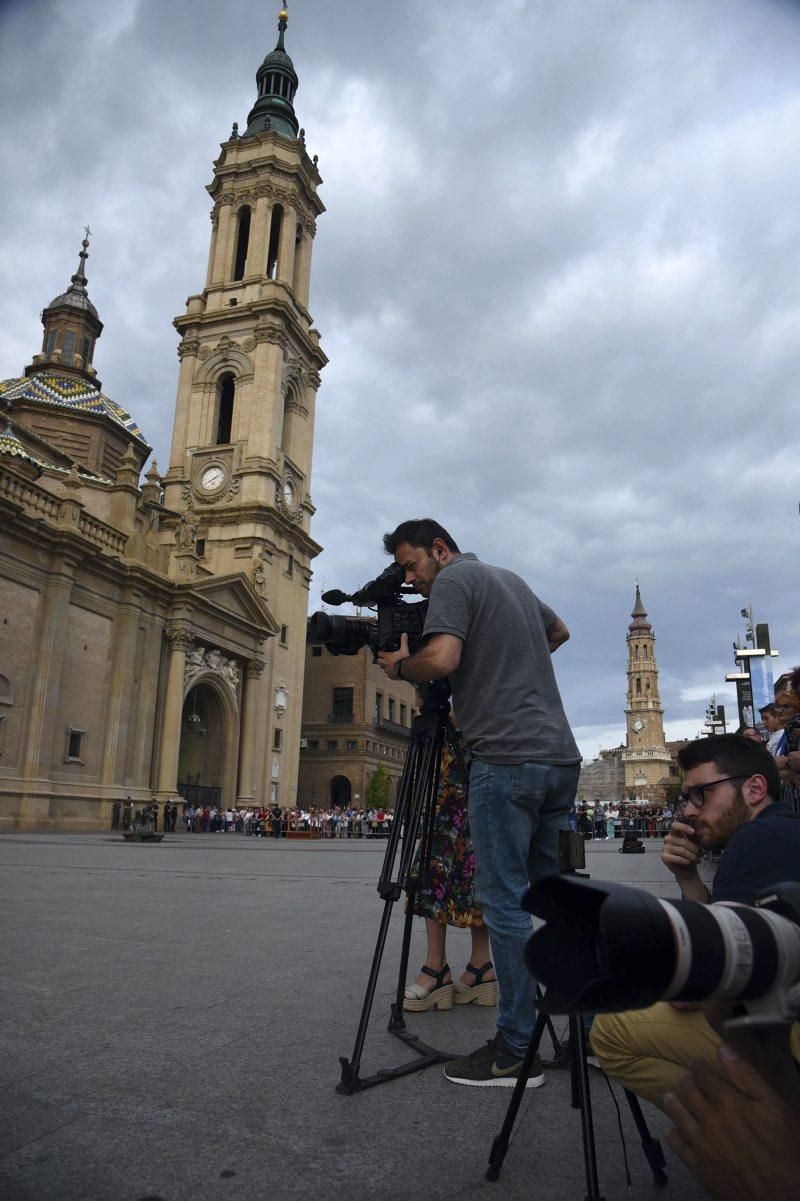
pixel 493 1065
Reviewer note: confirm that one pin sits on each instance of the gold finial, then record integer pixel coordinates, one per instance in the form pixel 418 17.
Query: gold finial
pixel 283 15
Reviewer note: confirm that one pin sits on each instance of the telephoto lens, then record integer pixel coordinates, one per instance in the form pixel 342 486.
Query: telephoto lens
pixel 606 947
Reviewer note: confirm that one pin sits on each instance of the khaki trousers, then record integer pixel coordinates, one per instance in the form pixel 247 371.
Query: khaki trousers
pixel 649 1050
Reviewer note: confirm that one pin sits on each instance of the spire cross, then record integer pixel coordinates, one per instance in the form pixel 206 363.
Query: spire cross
pixel 87 232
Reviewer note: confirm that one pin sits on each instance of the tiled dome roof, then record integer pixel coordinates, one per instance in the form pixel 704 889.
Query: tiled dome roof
pixel 67 392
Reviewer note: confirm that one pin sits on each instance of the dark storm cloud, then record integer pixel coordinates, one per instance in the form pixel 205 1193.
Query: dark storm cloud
pixel 556 281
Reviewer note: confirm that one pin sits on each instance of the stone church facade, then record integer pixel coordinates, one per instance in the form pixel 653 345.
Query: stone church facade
pixel 152 634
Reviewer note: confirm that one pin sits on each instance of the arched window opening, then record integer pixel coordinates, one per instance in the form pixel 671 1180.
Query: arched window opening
pixel 68 348
pixel 51 342
pixel 298 262
pixel 226 391
pixel 638 686
pixel 636 651
pixel 274 241
pixel 242 239
pixel 645 652
pixel 647 686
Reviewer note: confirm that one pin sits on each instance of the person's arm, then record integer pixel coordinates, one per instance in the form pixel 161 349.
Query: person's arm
pixel 440 655
pixel 681 855
pixel 557 634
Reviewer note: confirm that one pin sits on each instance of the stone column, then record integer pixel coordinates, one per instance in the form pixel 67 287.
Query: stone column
pixel 121 696
pixel 285 271
pixel 302 266
pixel 180 642
pixel 248 730
pixel 259 236
pixel 224 243
pixel 212 249
pixel 51 638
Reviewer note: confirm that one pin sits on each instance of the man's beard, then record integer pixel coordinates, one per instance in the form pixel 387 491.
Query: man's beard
pixel 717 837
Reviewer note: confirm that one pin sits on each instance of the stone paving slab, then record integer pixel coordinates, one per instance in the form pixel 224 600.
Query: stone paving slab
pixel 171 1018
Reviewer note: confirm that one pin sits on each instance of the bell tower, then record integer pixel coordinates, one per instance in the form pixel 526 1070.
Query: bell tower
pixel 239 474
pixel 645 758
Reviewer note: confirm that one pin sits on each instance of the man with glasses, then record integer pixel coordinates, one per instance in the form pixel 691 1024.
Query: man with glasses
pixel 729 803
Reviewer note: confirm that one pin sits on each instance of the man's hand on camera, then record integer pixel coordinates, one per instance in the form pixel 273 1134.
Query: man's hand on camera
pixel 388 660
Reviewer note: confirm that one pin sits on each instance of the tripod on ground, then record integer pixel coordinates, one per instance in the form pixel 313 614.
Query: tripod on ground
pixel 415 814
pixel 581 1099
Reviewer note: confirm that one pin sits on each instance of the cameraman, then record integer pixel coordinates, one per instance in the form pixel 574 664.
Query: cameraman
pixel 729 803
pixel 492 638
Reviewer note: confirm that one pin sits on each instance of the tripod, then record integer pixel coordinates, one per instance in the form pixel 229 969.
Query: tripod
pixel 415 814
pixel 581 1099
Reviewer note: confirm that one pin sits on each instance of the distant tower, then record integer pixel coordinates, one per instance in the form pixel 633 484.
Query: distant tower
pixel 240 465
pixel 646 758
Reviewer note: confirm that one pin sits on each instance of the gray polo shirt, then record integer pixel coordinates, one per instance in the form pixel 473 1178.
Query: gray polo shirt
pixel 505 694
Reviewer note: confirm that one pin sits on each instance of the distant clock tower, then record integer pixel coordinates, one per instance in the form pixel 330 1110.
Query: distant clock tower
pixel 645 758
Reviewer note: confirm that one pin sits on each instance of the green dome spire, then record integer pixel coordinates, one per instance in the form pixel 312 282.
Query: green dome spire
pixel 277 83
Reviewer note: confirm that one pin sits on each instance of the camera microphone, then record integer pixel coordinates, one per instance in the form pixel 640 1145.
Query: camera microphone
pixel 334 596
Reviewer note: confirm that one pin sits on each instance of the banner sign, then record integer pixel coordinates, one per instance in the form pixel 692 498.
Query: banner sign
pixel 762 688
pixel 744 697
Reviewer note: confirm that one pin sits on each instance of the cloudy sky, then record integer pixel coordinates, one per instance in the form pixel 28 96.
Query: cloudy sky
pixel 558 282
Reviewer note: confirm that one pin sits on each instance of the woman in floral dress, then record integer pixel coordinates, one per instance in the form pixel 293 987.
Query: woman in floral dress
pixel 448 899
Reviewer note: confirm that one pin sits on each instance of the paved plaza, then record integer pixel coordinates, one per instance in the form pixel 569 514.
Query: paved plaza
pixel 172 1018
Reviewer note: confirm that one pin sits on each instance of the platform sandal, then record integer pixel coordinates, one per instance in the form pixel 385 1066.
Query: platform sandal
pixel 482 992
pixel 417 999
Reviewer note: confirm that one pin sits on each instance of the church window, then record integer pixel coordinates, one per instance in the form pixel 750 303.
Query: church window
pixel 277 738
pixel 200 547
pixel 85 350
pixel 290 565
pixel 647 686
pixel 50 345
pixel 74 745
pixel 636 651
pixel 225 392
pixel 284 635
pixel 645 651
pixel 638 686
pixel 242 240
pixel 274 240
pixel 68 347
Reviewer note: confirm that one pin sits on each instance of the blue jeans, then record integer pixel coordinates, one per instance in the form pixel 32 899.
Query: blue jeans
pixel 515 813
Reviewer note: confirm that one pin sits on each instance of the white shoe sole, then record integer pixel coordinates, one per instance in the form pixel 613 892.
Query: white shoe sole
pixel 497 1081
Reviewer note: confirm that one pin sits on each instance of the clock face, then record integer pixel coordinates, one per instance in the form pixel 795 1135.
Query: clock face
pixel 638 726
pixel 212 477
pixel 288 494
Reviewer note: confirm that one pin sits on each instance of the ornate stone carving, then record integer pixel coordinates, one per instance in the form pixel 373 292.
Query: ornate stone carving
pixel 179 638
pixel 268 332
pixel 254 668
pixel 314 378
pixel 227 198
pixel 281 700
pixel 186 531
pixel 204 352
pixel 203 660
pixel 260 578
pixel 249 345
pixel 188 345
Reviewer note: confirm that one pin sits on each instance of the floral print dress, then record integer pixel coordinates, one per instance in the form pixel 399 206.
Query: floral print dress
pixel 449 896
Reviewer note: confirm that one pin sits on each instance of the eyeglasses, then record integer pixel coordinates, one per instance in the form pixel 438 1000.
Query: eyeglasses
pixel 784 708
pixel 697 795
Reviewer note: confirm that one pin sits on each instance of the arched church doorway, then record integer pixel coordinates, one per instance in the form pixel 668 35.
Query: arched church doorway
pixel 204 735
pixel 341 792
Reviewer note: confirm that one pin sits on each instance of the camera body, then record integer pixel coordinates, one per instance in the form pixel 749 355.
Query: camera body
pixel 394 617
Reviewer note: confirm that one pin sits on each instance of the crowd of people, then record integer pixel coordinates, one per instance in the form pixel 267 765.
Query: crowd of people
pixel 594 819
pixel 256 822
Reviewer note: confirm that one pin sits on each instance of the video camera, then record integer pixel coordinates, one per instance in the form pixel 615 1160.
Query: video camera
pixel 346 635
pixel 607 947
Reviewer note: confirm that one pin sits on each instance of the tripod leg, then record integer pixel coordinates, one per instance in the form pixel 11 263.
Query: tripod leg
pixel 577 1036
pixel 651 1146
pixel 396 1020
pixel 500 1144
pixel 350 1068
